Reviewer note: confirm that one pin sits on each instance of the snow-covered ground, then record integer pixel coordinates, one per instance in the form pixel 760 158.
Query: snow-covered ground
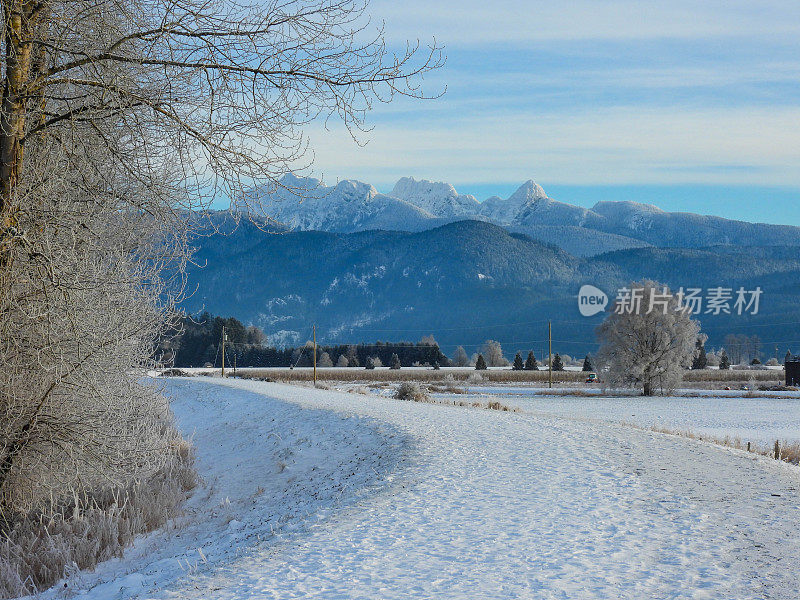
pixel 758 420
pixel 371 497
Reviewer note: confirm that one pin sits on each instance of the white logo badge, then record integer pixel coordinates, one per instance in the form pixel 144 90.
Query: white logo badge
pixel 591 300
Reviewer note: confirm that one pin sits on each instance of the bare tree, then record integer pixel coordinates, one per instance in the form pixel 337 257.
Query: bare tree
pixel 115 118
pixel 649 346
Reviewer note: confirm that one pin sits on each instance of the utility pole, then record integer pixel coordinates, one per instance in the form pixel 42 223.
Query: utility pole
pixel 314 329
pixel 223 351
pixel 550 354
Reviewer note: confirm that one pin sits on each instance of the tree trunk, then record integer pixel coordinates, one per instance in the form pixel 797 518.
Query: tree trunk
pixel 19 25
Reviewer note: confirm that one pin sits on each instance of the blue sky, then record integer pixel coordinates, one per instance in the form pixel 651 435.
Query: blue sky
pixel 686 105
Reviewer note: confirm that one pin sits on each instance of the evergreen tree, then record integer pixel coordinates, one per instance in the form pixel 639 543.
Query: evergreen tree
pixel 352 357
pixel 480 364
pixel 755 361
pixel 530 362
pixel 369 364
pixel 209 356
pixel 724 362
pixel 395 362
pixel 700 360
pixel 557 364
pixel 436 366
pixel 788 357
pixel 518 364
pixel 587 365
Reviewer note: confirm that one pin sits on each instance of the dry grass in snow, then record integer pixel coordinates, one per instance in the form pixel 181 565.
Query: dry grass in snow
pixel 781 450
pixel 37 550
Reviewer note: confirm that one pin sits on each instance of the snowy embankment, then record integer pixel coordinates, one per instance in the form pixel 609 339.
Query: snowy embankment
pixel 481 504
pixel 270 470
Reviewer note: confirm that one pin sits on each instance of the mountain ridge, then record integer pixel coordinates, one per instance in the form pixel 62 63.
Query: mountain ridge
pixel 305 204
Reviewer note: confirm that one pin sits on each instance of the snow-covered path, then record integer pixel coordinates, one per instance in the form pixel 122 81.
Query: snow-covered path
pixel 485 504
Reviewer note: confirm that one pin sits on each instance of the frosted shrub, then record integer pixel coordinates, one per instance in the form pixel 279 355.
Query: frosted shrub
pixel 410 390
pixel 475 378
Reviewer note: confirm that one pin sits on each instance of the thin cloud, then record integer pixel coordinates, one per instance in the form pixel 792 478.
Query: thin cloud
pixel 473 22
pixel 607 146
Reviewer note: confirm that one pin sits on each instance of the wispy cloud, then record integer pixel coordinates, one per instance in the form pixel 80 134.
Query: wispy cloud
pixel 619 145
pixel 471 22
pixel 592 93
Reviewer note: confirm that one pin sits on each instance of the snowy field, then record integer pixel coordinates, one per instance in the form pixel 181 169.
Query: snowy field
pixel 318 494
pixel 758 420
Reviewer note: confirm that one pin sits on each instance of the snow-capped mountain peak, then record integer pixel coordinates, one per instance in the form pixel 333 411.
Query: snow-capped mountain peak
pixel 527 192
pixel 438 198
pixel 350 190
pixel 505 210
pixel 305 203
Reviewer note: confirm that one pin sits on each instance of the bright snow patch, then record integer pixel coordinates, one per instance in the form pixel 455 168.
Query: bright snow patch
pixel 482 504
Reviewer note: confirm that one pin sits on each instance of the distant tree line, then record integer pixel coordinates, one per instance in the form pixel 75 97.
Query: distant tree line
pixel 198 343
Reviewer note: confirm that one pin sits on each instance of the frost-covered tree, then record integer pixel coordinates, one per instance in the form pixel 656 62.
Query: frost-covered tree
pixel 518 364
pixel 494 354
pixel 558 364
pixel 428 340
pixel 115 119
pixel 324 360
pixel 480 363
pixel 724 361
pixel 460 358
pixel 395 362
pixel 647 348
pixel 342 361
pixel 369 364
pixel 530 362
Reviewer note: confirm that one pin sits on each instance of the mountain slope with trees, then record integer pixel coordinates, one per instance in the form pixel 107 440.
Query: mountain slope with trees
pixel 465 282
